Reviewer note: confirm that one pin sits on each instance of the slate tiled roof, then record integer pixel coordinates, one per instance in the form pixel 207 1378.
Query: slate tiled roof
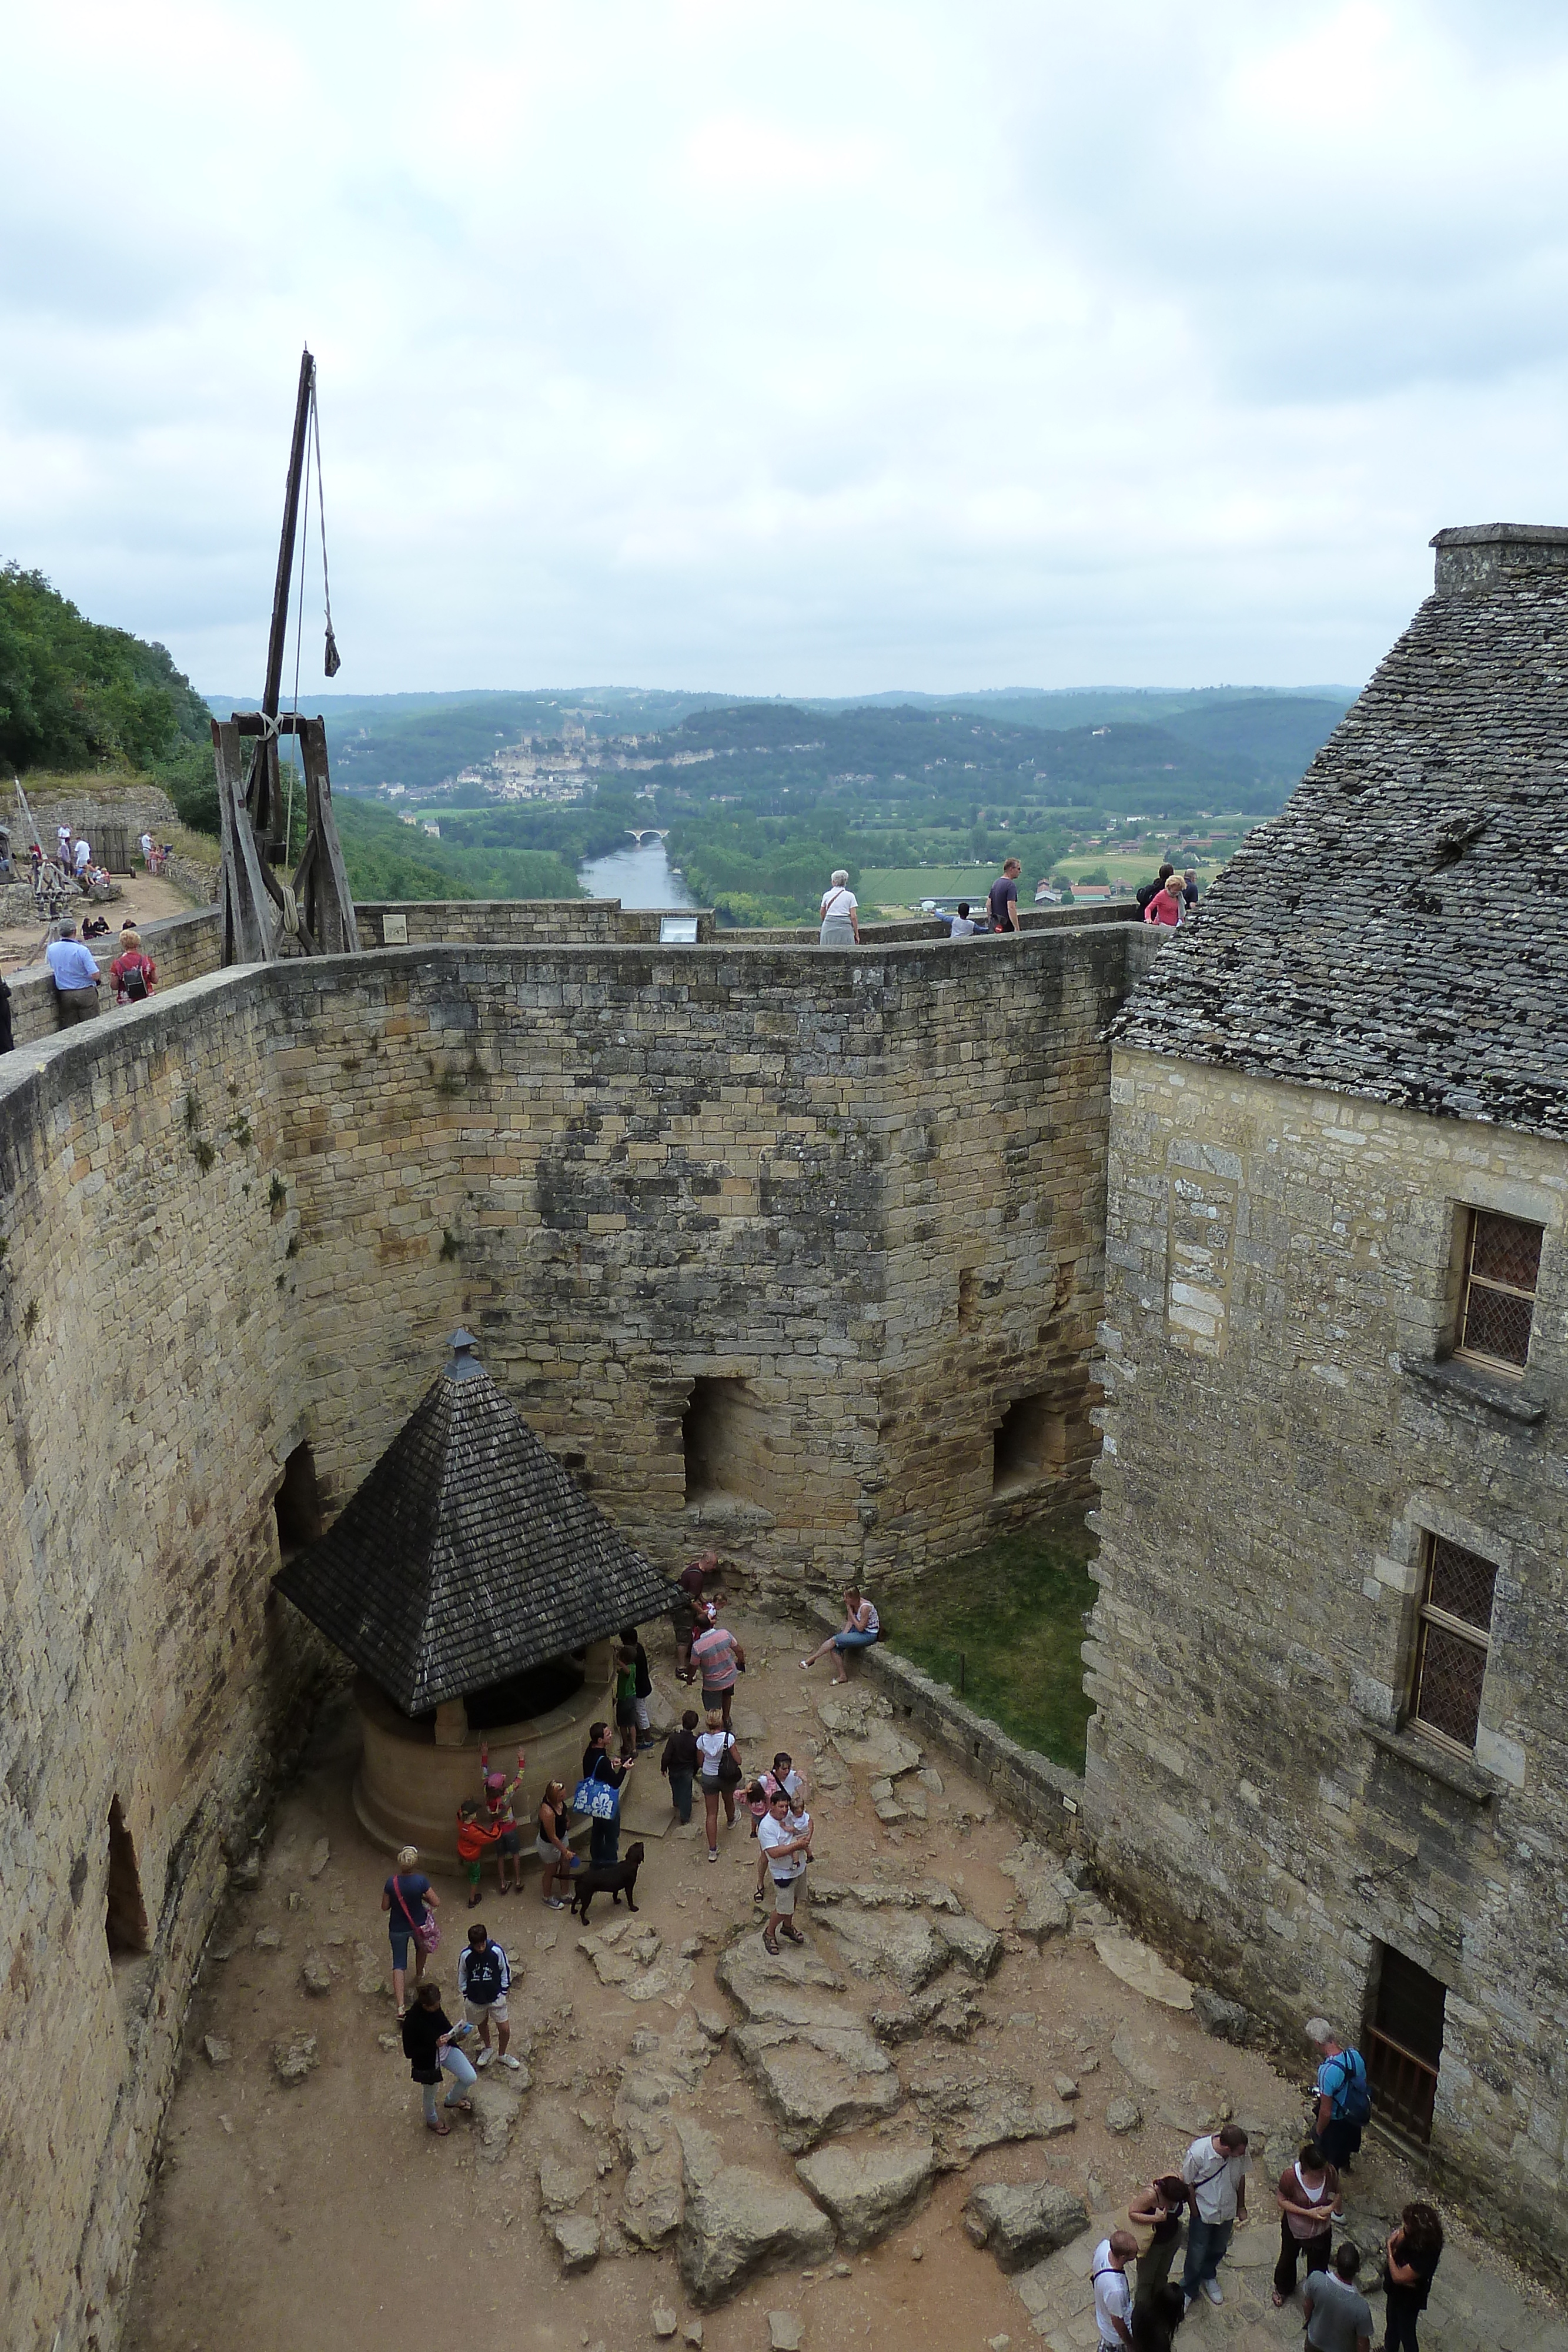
pixel 468 1554
pixel 1400 931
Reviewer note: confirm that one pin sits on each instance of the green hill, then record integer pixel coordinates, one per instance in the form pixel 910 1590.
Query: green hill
pixel 73 693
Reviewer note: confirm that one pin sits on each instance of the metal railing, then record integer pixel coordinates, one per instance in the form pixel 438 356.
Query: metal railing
pixel 1406 2087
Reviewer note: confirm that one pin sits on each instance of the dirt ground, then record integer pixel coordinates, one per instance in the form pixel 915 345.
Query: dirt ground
pixel 145 896
pixel 326 2215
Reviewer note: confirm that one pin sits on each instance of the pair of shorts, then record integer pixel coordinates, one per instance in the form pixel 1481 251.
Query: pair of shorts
pixel 712 1786
pixel 785 1891
pixel 401 1939
pixel 511 1842
pixel 472 1870
pixel 625 1713
pixel 545 1851
pixel 715 1702
pixel 476 2012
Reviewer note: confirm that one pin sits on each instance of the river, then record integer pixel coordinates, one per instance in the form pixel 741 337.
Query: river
pixel 638 876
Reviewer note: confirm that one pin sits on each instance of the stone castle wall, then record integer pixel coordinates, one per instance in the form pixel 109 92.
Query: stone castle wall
pixel 1279 1436
pixel 148 1400
pixel 242 1217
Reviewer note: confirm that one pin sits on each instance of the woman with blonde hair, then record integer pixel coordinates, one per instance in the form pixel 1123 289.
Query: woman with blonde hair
pixel 409 1899
pixel 134 975
pixel 841 921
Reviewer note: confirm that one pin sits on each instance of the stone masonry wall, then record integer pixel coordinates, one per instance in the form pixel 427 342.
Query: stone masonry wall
pixel 516 922
pixel 1282 1433
pixel 183 947
pixel 148 1403
pixel 634 1170
pixel 243 1216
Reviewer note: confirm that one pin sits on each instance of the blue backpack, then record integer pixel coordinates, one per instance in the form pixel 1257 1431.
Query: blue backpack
pixel 1353 2100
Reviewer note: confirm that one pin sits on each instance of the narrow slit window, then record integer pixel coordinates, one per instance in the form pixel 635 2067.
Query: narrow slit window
pixel 1453 1642
pixel 1502 1261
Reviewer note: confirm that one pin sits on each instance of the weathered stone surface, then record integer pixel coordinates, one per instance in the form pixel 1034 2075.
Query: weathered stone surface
pixel 786 1990
pixel 1021 2224
pixel 266 1939
pixel 1227 2021
pixel 1065 2086
pixel 786 2331
pixel 1123 2115
pixel 651 2206
pixel 817 2079
pixel 692 2334
pixel 1139 2063
pixel 860 1723
pixel 579 2239
pixel 736 2222
pixel 903 1947
pixel 1143 1969
pixel 975 1947
pixel 664 2320
pixel 295 2058
pixel 638 1965
pixel 498 2104
pixel 1041 1912
pixel 216 2050
pixel 562 2185
pixel 320 1856
pixel 245 1875
pixel 712 2026
pixel 869 2191
pixel 937 1895
pixel 315 1974
pixel 969 2112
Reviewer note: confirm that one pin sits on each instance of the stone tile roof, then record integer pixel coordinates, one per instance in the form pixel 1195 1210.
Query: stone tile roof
pixel 468 1554
pixel 1400 931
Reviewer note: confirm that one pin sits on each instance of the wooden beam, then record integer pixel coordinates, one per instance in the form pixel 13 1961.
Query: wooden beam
pixel 248 919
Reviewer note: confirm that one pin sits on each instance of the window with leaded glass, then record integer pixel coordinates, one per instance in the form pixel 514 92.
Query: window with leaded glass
pixel 1454 1638
pixel 1502 1260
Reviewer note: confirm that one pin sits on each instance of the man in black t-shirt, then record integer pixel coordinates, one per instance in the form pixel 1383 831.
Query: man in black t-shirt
pixel 1003 899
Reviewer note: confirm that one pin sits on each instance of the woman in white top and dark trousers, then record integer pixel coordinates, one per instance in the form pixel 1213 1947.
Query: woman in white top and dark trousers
pixel 840 920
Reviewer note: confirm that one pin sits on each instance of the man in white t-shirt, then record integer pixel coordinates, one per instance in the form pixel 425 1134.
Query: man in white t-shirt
pixel 786 1851
pixel 84 857
pixel 147 849
pixel 1113 2289
pixel 1215 2168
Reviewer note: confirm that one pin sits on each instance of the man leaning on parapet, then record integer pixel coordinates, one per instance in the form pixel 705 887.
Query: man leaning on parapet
pixel 76 975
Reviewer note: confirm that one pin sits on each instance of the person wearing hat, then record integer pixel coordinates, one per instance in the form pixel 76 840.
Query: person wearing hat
pixel 498 1794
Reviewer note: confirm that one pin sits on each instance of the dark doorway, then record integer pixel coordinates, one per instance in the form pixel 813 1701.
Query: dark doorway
pixel 1030 1441
pixel 127 1918
pixel 1404 2043
pixel 725 1437
pixel 298 1502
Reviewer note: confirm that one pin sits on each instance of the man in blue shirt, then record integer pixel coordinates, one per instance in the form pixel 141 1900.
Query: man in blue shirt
pixel 76 976
pixel 1003 899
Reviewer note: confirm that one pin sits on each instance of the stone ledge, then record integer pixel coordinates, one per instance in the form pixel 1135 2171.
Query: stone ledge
pixel 1043 1796
pixel 1468 1780
pixel 1452 1381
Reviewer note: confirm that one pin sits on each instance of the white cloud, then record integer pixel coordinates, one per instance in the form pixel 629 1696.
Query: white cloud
pixel 815 348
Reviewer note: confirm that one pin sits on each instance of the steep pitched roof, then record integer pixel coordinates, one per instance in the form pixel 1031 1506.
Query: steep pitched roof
pixel 467 1553
pixel 1400 931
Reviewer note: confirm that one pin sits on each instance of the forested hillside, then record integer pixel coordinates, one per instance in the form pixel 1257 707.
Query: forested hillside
pixel 73 693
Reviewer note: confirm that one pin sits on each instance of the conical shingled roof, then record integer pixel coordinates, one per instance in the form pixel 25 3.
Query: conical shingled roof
pixel 468 1554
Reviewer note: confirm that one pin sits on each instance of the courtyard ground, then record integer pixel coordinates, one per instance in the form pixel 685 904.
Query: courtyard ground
pixel 147 897
pixel 323 2213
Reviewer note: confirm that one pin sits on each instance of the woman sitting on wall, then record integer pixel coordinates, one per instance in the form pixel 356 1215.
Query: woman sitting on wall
pixel 861 1627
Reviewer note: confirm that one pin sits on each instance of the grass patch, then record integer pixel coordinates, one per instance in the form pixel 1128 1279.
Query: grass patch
pixel 906 886
pixel 1014 1614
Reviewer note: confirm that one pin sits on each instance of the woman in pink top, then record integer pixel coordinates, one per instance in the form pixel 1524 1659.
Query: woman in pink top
pixel 1166 906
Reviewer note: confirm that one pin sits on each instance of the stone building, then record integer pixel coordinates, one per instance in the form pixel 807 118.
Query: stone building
pixel 800 1249
pixel 1330 1649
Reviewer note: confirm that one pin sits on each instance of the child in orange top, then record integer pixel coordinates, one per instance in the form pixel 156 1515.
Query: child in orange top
pixel 475 1839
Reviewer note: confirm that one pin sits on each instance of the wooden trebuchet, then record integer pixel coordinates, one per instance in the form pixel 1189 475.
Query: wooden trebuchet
pixel 264 918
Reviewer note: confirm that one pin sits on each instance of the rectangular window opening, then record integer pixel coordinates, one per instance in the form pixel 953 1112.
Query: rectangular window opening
pixel 726 1438
pixel 1452 1643
pixel 1497 1306
pixel 1031 1441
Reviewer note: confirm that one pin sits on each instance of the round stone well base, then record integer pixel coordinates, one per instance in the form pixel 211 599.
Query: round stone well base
pixel 409 1786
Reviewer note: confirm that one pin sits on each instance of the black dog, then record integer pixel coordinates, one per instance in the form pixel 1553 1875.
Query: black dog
pixel 611 1878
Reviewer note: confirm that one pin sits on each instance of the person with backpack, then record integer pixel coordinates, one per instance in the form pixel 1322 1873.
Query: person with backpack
pixel 134 975
pixel 1344 2097
pixel 484 1975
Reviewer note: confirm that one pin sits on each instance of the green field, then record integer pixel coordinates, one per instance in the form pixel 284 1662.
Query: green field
pixel 906 886
pixel 1009 1620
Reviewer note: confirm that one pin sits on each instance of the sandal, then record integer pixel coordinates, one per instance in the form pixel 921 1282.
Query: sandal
pixel 771 1945
pixel 463 2106
pixel 791 1934
pixel 441 2129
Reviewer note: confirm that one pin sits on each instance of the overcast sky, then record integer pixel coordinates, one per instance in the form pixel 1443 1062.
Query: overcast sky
pixel 825 348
